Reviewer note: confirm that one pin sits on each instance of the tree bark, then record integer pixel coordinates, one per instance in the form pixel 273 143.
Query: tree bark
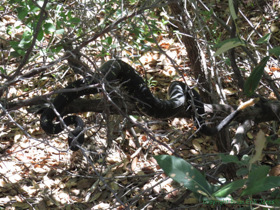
pixel 191 47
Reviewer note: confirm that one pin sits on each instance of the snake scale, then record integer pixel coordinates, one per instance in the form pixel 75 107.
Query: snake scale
pixel 179 96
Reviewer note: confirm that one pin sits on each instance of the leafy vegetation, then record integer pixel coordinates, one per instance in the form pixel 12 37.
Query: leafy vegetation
pixel 258 180
pixel 47 44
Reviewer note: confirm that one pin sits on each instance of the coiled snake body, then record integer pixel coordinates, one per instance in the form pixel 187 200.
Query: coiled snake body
pixel 179 94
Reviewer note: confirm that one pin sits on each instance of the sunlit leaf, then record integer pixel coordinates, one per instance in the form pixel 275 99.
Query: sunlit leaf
pixel 229 188
pixel 232 10
pixel 184 173
pixel 264 39
pixel 227 45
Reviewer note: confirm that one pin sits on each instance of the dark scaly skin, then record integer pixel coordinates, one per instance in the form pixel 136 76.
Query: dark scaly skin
pixel 134 84
pixel 60 101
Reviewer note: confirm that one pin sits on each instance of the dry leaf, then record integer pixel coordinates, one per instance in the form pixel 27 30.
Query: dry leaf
pixel 275 171
pixel 134 163
pixel 196 145
pixel 259 145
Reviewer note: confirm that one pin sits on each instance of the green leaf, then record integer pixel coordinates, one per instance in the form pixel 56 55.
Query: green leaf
pixel 22 13
pixel 74 20
pixel 262 185
pixel 229 158
pixel 257 174
pixel 40 35
pixel 57 49
pixel 3 71
pixel 14 1
pixel 276 141
pixel 25 41
pixel 59 31
pixel 184 173
pixel 69 15
pixel 275 194
pixel 49 28
pixel 253 80
pixel 264 39
pixel 232 10
pixel 229 188
pixel 151 40
pixel 108 40
pixel 17 53
pixel 19 50
pixel 14 44
pixel 26 36
pixel 227 45
pixel 34 8
pixel 242 171
pixel 275 51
